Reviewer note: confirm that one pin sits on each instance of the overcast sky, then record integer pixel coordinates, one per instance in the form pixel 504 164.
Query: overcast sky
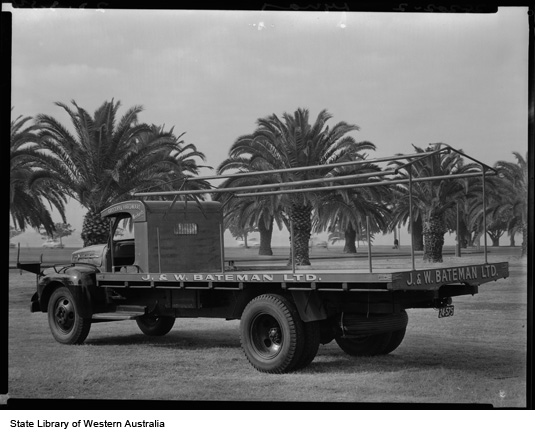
pixel 402 78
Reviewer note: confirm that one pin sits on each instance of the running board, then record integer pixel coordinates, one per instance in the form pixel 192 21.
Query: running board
pixel 122 312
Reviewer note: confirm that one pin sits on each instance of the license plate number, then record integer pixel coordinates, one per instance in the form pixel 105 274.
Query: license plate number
pixel 446 311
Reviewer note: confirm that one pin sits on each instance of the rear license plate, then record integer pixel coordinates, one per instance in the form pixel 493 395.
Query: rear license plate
pixel 446 311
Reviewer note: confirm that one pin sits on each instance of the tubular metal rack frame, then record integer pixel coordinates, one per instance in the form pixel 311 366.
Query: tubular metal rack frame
pixel 442 149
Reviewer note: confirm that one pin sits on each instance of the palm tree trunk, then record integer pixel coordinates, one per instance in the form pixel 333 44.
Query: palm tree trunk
pixel 464 234
pixel 265 237
pixel 470 243
pixel 350 236
pixel 434 229
pixel 495 238
pixel 477 240
pixel 418 237
pixel 95 230
pixel 302 227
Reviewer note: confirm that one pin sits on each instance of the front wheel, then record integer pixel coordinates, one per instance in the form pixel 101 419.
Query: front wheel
pixel 155 326
pixel 66 324
pixel 272 334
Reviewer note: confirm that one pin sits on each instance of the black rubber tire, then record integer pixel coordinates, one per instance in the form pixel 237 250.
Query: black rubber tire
pixel 368 345
pixel 155 326
pixel 328 330
pixel 272 334
pixel 311 345
pixel 64 320
pixel 396 337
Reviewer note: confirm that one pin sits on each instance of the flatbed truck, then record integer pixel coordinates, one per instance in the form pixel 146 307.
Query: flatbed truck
pixel 174 266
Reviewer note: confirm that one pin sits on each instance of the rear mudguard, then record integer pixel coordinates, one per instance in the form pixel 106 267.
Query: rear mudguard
pixel 79 279
pixel 309 305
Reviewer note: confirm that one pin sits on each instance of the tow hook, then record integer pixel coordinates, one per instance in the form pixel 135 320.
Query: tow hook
pixel 441 303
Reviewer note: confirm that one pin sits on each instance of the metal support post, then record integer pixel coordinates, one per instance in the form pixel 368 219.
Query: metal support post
pixel 222 243
pixel 112 223
pixel 484 215
pixel 292 247
pixel 369 243
pixel 411 219
pixel 159 254
pixel 458 246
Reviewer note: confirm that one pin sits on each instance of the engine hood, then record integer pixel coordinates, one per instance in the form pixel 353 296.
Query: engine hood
pixel 90 255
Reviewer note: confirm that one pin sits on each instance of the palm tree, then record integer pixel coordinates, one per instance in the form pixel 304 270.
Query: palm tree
pixel 514 227
pixel 260 212
pixel 255 215
pixel 506 207
pixel 348 210
pixel 338 236
pixel 508 200
pixel 399 214
pixel 247 215
pixel 293 142
pixel 108 160
pixel 432 199
pixel 515 192
pixel 26 198
pixel 464 235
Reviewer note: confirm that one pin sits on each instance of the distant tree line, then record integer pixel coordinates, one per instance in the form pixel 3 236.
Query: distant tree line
pixel 102 159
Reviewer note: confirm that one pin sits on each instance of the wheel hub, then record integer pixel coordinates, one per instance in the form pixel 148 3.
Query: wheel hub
pixel 275 335
pixel 64 315
pixel 266 336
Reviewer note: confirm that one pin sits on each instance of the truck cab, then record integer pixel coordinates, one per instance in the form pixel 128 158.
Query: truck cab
pixel 159 237
pixel 145 237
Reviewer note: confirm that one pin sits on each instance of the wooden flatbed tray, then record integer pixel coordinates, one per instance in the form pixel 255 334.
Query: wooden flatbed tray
pixel 321 279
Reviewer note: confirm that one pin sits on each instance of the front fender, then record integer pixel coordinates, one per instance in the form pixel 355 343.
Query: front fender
pixel 79 279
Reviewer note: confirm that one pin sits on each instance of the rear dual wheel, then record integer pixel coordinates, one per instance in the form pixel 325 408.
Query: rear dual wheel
pixel 367 345
pixel 273 337
pixel 373 344
pixel 395 340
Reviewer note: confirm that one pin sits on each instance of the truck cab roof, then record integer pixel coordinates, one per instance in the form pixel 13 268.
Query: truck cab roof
pixel 139 210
